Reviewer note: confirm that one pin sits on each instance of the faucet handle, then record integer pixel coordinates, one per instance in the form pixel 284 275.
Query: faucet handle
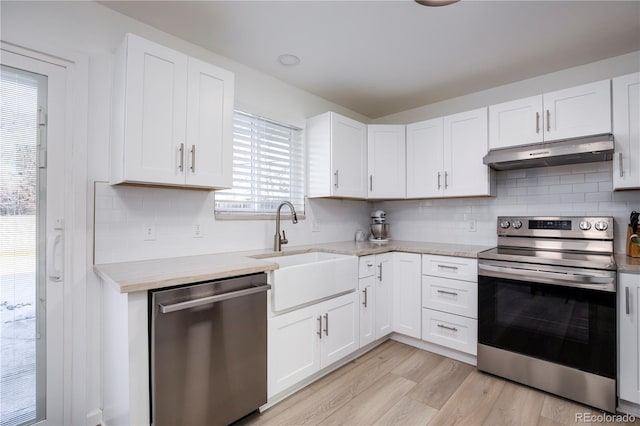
pixel 283 240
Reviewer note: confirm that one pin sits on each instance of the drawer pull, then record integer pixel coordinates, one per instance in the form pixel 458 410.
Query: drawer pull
pixel 453 293
pixel 369 264
pixel 447 327
pixel 453 268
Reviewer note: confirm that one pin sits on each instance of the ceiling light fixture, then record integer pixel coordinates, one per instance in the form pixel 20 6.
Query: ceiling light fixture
pixel 288 60
pixel 436 3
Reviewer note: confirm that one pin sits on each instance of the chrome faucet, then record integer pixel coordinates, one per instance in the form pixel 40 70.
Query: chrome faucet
pixel 277 240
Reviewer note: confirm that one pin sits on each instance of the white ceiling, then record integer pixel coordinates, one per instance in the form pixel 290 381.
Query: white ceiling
pixel 382 57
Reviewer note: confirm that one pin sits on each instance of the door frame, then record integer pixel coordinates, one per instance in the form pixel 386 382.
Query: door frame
pixel 76 259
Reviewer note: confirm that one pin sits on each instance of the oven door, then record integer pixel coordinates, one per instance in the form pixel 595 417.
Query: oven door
pixel 562 315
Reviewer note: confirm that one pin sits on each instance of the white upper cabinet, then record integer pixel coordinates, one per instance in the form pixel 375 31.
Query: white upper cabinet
pixel 516 123
pixel 578 111
pixel 337 157
pixel 172 121
pixel 626 131
pixel 444 156
pixel 425 159
pixel 386 161
pixel 465 143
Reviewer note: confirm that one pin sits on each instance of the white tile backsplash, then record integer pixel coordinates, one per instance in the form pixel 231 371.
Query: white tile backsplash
pixel 122 212
pixel 570 190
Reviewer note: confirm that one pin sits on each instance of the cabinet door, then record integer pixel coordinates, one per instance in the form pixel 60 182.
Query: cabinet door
pixel 465 143
pixel 578 111
pixel 626 131
pixel 425 153
pixel 156 112
pixel 629 357
pixel 348 157
pixel 209 140
pixel 384 294
pixel 340 328
pixel 367 310
pixel 407 299
pixel 386 161
pixel 516 123
pixel 293 348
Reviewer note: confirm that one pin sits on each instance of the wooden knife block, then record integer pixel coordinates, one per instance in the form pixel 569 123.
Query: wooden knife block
pixel 633 250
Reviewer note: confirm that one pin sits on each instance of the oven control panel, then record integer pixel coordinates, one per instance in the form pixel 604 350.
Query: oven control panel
pixel 597 228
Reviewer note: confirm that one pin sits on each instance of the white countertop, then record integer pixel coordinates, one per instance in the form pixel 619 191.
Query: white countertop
pixel 159 273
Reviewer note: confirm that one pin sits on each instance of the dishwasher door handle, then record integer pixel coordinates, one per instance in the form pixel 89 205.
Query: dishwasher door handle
pixel 165 309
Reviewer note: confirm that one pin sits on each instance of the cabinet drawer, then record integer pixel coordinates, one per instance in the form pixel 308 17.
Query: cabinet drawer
pixel 460 268
pixel 452 296
pixel 451 331
pixel 367 266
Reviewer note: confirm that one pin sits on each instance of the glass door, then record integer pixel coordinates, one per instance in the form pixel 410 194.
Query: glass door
pixel 22 245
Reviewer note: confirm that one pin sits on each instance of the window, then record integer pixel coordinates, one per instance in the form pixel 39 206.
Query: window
pixel 268 167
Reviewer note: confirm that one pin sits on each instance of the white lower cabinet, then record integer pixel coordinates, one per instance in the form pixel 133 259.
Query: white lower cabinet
pixel 629 340
pixel 367 310
pixel 407 295
pixel 304 341
pixel 452 331
pixel 450 302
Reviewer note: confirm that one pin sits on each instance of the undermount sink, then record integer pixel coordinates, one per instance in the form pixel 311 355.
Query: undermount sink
pixel 307 277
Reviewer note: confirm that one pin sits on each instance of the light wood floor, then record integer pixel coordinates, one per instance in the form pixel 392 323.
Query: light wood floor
pixel 396 384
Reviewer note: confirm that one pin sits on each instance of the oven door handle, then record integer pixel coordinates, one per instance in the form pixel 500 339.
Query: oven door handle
pixel 603 283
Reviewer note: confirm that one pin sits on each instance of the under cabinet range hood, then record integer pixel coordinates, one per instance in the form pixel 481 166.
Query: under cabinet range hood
pixel 567 151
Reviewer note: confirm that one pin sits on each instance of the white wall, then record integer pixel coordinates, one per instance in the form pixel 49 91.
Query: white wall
pixel 92 30
pixel 601 70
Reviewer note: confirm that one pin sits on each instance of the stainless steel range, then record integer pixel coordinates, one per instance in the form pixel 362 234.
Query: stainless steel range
pixel 547 306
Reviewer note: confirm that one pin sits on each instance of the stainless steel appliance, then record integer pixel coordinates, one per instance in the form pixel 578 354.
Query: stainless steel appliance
pixel 379 226
pixel 567 151
pixel 547 306
pixel 208 351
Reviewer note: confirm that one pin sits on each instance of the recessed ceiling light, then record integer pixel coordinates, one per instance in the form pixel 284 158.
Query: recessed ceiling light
pixel 288 60
pixel 436 3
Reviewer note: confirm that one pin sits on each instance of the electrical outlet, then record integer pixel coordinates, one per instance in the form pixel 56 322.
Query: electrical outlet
pixel 472 225
pixel 315 226
pixel 197 230
pixel 150 232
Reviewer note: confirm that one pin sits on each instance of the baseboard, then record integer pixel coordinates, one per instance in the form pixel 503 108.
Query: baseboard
pixel 437 349
pixel 94 418
pixel 628 408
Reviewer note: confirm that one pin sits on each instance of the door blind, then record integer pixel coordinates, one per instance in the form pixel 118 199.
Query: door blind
pixel 268 167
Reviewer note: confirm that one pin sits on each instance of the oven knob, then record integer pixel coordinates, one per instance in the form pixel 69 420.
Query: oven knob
pixel 601 226
pixel 585 226
pixel 504 224
pixel 516 224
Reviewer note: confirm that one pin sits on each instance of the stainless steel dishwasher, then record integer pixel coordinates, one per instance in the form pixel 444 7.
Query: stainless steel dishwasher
pixel 208 351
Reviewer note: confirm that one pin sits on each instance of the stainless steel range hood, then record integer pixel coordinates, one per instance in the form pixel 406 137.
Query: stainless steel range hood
pixel 567 151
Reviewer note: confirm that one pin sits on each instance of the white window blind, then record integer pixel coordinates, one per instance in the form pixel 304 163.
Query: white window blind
pixel 268 167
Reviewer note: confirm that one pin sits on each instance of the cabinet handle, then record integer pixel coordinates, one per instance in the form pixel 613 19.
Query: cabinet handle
pixel 365 297
pixel 621 168
pixel 319 332
pixel 548 121
pixel 370 182
pixel 455 268
pixel 193 158
pixel 537 122
pixel 335 183
pixel 439 180
pixel 369 264
pixel 181 157
pixel 326 324
pixel 380 268
pixel 627 300
pixel 446 180
pixel 447 327
pixel 448 292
